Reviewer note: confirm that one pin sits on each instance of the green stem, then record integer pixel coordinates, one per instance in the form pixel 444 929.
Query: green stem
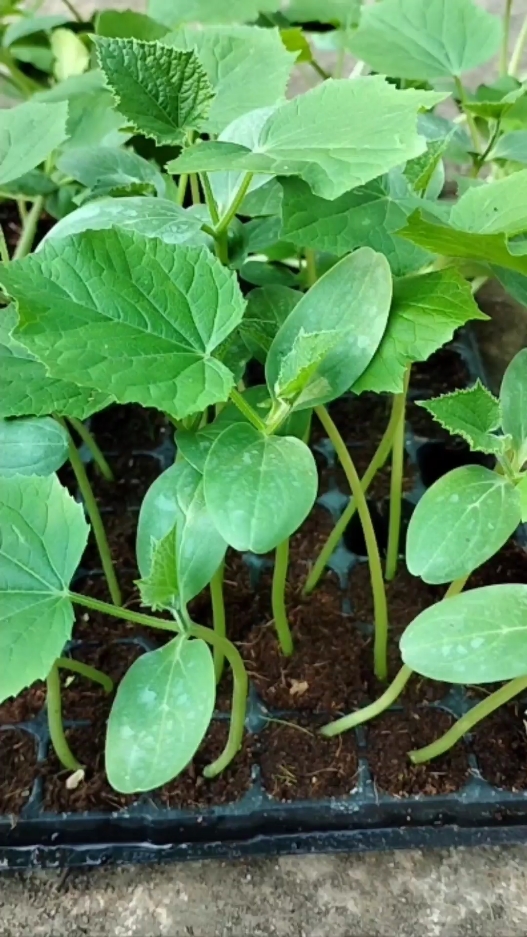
pixel 311 267
pixel 235 204
pixel 504 56
pixel 517 52
pixel 468 721
pixel 247 410
pixel 182 188
pixel 55 725
pixel 209 198
pixel 377 462
pixel 22 210
pixel 95 519
pixel 29 229
pixel 194 189
pixel 396 482
pixel 96 453
pixel 4 251
pixel 471 123
pixel 25 85
pixel 380 659
pixel 283 631
pixel 374 709
pixel 240 688
pixel 319 70
pixel 91 673
pixel 218 617
pixel 74 12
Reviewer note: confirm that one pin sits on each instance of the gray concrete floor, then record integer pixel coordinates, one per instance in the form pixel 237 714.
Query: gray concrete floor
pixel 460 893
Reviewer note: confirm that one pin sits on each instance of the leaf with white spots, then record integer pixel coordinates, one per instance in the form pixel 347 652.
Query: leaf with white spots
pixel 160 715
pixel 479 636
pixel 460 522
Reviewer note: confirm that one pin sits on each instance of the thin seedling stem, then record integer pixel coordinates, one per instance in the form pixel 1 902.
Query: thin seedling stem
pixel 91 444
pixel 91 673
pixel 504 55
pixel 218 617
pixel 517 52
pixel 396 482
pixel 29 229
pixel 283 631
pixel 55 724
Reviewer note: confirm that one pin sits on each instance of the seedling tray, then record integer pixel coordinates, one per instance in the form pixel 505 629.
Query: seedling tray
pixel 259 824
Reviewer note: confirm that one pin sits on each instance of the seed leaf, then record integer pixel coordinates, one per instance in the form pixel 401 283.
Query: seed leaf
pixel 27 390
pixel 128 24
pixel 307 137
pixel 160 715
pixel 43 538
pixel 176 498
pixel 472 513
pixel 425 39
pixel 160 589
pixel 106 170
pixel 267 309
pixel 34 446
pixel 513 403
pixel 247 66
pixel 141 324
pixel 511 146
pixel 258 488
pixel 500 206
pixel 163 92
pixel 479 636
pixel 174 12
pixel 472 414
pixel 348 310
pixel 425 313
pixel 28 134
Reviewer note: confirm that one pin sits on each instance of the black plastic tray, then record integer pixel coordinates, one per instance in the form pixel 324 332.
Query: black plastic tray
pixel 257 824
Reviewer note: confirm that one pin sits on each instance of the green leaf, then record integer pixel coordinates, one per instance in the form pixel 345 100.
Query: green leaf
pixel 128 24
pixel 163 92
pixel 176 498
pixel 104 169
pixel 513 404
pixel 43 538
pixel 521 488
pixel 338 12
pixel 425 313
pixel 267 309
pixel 26 26
pixel 160 715
pixel 500 206
pixel 265 200
pixel 92 117
pixel 473 414
pixel 174 12
pixel 425 39
pixel 493 102
pixel 248 68
pixel 348 306
pixel 245 130
pixel 258 488
pixel 513 282
pixel 32 446
pixel 420 171
pixel 295 41
pixel 511 146
pixel 307 137
pixel 32 183
pixel 70 53
pixel 27 390
pixel 479 636
pixel 28 134
pixel 153 217
pixel 141 323
pixel 160 589
pixel 460 522
pixel 368 216
pixel 195 445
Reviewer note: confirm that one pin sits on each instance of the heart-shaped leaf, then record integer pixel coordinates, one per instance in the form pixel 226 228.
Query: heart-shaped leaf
pixel 43 536
pixel 258 488
pixel 460 522
pixel 160 715
pixel 32 446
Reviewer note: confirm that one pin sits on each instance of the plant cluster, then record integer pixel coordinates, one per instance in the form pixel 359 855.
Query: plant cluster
pixel 203 222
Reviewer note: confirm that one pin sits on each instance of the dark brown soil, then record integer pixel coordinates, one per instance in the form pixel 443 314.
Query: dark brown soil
pixel 298 764
pixel 12 227
pixel 18 758
pixel 444 372
pixel 129 428
pixel 83 698
pixel 500 746
pixel 24 707
pixel 394 734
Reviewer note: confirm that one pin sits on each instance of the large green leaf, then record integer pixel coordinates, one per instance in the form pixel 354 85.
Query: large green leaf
pixel 153 217
pixel 174 12
pixel 425 313
pixel 43 538
pixel 473 414
pixel 141 323
pixel 424 39
pixel 460 522
pixel 176 498
pixel 367 216
pixel 34 446
pixel 477 637
pixel 332 334
pixel 245 130
pixel 163 92
pixel 26 389
pixel 513 403
pixel 267 309
pixel 92 117
pixel 128 24
pixel 247 66
pixel 160 715
pixel 195 445
pixel 105 169
pixel 499 206
pixel 28 134
pixel 258 488
pixel 307 137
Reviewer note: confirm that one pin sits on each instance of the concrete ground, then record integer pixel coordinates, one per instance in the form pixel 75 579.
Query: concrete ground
pixel 464 893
